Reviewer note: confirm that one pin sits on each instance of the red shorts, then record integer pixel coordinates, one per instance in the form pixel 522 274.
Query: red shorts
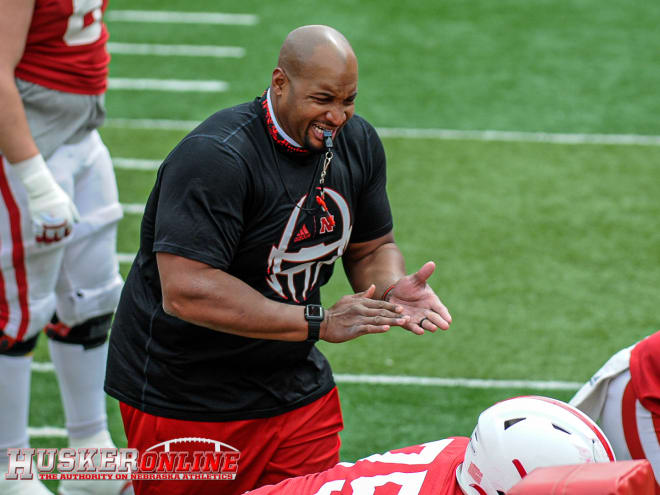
pixel 299 442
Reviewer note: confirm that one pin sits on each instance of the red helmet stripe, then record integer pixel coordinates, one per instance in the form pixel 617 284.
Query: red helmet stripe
pixel 520 468
pixel 479 489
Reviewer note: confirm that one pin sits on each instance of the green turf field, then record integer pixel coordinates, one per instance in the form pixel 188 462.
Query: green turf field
pixel 548 254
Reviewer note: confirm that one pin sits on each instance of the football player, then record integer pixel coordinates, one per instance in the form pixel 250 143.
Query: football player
pixel 624 396
pixel 55 171
pixel 511 439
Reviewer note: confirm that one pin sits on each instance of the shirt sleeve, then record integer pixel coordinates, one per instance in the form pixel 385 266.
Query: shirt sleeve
pixel 373 216
pixel 645 372
pixel 203 189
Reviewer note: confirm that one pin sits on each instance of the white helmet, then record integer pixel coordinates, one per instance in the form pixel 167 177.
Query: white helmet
pixel 518 435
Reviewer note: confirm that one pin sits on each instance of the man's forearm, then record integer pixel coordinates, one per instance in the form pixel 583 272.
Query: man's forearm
pixel 16 142
pixel 205 296
pixel 382 267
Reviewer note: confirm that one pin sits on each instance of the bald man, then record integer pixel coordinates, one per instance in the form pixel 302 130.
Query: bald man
pixel 215 333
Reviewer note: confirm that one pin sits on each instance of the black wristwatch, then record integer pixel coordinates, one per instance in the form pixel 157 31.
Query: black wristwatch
pixel 314 315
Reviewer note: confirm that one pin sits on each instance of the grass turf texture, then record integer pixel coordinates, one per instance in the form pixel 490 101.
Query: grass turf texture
pixel 563 66
pixel 547 254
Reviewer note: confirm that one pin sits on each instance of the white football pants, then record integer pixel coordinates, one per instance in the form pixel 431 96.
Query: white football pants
pixel 79 276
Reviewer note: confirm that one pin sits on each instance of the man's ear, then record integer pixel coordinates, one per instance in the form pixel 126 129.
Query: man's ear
pixel 279 81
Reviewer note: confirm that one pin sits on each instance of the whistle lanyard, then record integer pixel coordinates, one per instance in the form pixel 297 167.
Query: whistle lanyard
pixel 327 141
pixel 320 197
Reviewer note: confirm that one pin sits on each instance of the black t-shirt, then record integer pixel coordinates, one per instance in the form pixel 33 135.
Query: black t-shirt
pixel 232 198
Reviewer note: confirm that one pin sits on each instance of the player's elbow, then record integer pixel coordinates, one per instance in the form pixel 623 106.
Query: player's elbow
pixel 171 307
pixel 176 303
pixel 179 286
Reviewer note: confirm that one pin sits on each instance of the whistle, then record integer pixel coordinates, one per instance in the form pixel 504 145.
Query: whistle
pixel 327 139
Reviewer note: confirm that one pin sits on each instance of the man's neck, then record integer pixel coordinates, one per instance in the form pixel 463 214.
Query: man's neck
pixel 286 137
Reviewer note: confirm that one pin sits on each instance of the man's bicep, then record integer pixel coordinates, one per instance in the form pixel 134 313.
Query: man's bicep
pixel 183 280
pixel 172 268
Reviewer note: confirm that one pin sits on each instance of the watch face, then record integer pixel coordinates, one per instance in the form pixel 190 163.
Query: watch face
pixel 314 311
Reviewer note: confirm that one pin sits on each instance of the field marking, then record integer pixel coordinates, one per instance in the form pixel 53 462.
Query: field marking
pixel 125 257
pixel 42 367
pixel 155 124
pixel 438 134
pixel 516 136
pixel 456 382
pixel 47 432
pixel 133 208
pixel 135 163
pixel 55 432
pixel 424 381
pixel 150 16
pixel 179 85
pixel 182 50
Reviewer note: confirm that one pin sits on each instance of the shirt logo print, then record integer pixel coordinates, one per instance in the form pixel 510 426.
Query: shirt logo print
pixel 299 269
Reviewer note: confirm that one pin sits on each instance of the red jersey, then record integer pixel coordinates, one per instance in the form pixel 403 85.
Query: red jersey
pixel 427 469
pixel 645 372
pixel 65 48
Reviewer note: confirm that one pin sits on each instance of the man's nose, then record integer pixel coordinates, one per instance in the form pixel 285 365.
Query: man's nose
pixel 336 116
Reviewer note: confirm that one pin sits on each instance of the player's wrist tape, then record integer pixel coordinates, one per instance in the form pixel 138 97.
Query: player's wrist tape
pixel 387 292
pixel 34 175
pixel 29 167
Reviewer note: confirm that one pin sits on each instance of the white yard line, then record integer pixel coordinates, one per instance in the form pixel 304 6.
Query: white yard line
pixel 456 382
pixel 135 163
pixel 515 136
pixel 155 124
pixel 439 134
pixel 126 257
pixel 118 83
pixel 150 16
pixel 424 381
pixel 133 208
pixel 181 50
pixel 47 432
pixel 42 367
